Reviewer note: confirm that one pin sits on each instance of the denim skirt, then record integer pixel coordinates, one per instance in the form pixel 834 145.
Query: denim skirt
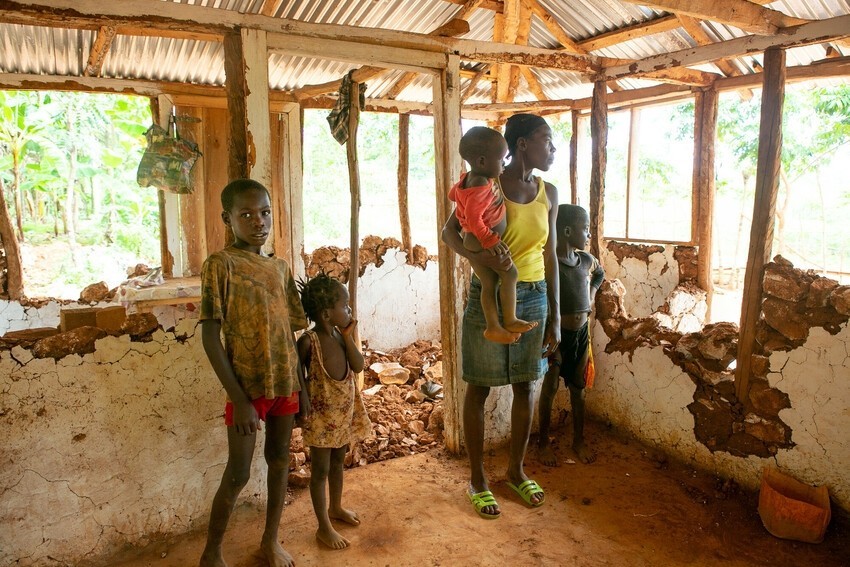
pixel 486 363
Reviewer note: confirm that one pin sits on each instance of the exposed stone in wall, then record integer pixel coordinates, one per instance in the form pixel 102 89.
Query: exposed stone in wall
pixel 795 301
pixel 684 310
pixel 686 256
pixel 95 292
pixel 721 421
pixel 335 261
pixel 641 252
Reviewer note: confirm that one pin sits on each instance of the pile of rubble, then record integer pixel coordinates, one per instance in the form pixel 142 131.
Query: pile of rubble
pixel 403 395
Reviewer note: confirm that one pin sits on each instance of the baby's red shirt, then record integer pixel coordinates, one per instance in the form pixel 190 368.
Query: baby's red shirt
pixel 478 210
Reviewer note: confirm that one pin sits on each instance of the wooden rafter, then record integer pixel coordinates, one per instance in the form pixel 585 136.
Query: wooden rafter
pixel 451 28
pixel 468 7
pixel 509 23
pixel 521 39
pixel 643 29
pixel 470 88
pixel 401 84
pixel 742 14
pixel 270 7
pixel 553 26
pixel 805 34
pixel 694 29
pixel 494 5
pixel 533 83
pixel 98 52
pixel 454 27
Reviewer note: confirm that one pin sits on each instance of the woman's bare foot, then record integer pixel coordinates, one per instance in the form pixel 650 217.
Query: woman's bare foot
pixel 501 336
pixel 276 555
pixel 546 455
pixel 343 515
pixel 331 538
pixel 519 326
pixel 212 558
pixel 584 453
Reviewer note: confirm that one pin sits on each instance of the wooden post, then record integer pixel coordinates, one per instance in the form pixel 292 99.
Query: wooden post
pixel 14 271
pixel 246 66
pixel 192 214
pixel 599 158
pixel 574 158
pixel 287 183
pixel 764 210
pixel 632 162
pixel 403 174
pixel 354 186
pixel 453 279
pixel 705 128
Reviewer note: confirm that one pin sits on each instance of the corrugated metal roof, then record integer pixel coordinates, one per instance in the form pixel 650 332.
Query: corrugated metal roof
pixel 56 51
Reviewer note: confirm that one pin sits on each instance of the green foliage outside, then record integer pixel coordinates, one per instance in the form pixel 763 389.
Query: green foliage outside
pixel 68 163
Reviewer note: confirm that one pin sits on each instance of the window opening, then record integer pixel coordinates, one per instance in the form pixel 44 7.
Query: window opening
pixel 68 162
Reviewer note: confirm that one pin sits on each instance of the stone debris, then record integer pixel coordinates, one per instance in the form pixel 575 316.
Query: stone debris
pixel 404 420
pixel 94 293
pixel 335 261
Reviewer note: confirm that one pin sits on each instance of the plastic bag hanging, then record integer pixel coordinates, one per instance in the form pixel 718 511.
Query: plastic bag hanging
pixel 168 160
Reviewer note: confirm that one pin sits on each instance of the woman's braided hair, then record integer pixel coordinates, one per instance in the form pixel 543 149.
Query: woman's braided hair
pixel 318 293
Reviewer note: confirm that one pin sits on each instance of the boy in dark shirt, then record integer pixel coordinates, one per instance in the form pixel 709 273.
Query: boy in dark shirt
pixel 577 295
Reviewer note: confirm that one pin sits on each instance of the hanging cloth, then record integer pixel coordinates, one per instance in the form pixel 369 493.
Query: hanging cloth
pixel 338 117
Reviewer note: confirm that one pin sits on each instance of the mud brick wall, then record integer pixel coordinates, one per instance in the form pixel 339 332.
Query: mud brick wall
pixel 677 390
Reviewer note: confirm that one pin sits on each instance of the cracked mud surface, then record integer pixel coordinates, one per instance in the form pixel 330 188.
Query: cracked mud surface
pixel 630 508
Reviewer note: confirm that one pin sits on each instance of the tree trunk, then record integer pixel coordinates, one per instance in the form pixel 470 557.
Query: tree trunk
pixel 16 191
pixel 14 272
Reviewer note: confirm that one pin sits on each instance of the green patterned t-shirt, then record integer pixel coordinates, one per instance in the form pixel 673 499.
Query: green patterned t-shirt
pixel 255 299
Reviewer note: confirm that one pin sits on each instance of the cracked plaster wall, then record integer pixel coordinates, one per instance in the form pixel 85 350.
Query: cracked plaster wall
pixel 646 394
pixel 648 282
pixel 109 449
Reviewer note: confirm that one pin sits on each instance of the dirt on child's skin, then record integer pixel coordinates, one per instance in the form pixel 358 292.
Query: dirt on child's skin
pixel 632 507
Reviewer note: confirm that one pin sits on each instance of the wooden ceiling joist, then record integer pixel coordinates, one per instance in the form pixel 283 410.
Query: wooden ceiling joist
pixel 742 14
pixel 813 32
pixel 98 52
pixel 682 76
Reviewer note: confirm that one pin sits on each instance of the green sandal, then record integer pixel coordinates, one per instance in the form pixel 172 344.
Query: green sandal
pixel 526 490
pixel 481 500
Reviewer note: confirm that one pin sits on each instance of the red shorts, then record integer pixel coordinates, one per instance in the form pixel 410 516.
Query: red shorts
pixel 278 406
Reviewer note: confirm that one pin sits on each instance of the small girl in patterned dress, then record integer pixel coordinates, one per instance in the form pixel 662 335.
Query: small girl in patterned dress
pixel 338 417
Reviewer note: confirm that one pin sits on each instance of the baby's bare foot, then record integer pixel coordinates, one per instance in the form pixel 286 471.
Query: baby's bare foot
pixel 212 558
pixel 276 555
pixel 547 456
pixel 343 515
pixel 519 326
pixel 501 336
pixel 584 453
pixel 331 538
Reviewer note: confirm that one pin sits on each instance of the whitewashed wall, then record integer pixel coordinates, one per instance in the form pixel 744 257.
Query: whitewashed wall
pixel 110 448
pixel 648 283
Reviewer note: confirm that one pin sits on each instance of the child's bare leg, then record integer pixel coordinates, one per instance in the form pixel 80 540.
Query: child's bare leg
pixel 582 451
pixel 335 510
pixel 320 458
pixel 507 295
pixel 494 331
pixel 240 452
pixel 278 433
pixel 547 397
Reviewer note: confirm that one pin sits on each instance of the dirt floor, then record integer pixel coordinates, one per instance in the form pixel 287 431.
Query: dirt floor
pixel 630 508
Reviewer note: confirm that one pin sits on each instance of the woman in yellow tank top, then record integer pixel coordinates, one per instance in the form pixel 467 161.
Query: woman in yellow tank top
pixel 532 206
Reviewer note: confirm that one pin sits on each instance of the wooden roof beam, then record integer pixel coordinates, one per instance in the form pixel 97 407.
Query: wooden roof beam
pixel 468 7
pixel 282 33
pixel 533 83
pixel 694 29
pixel 742 14
pixel 805 34
pixel 494 5
pixel 98 52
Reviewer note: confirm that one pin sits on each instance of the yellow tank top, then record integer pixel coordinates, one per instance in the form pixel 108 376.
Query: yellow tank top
pixel 527 232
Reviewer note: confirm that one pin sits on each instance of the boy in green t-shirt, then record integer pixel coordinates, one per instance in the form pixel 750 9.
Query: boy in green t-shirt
pixel 251 299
